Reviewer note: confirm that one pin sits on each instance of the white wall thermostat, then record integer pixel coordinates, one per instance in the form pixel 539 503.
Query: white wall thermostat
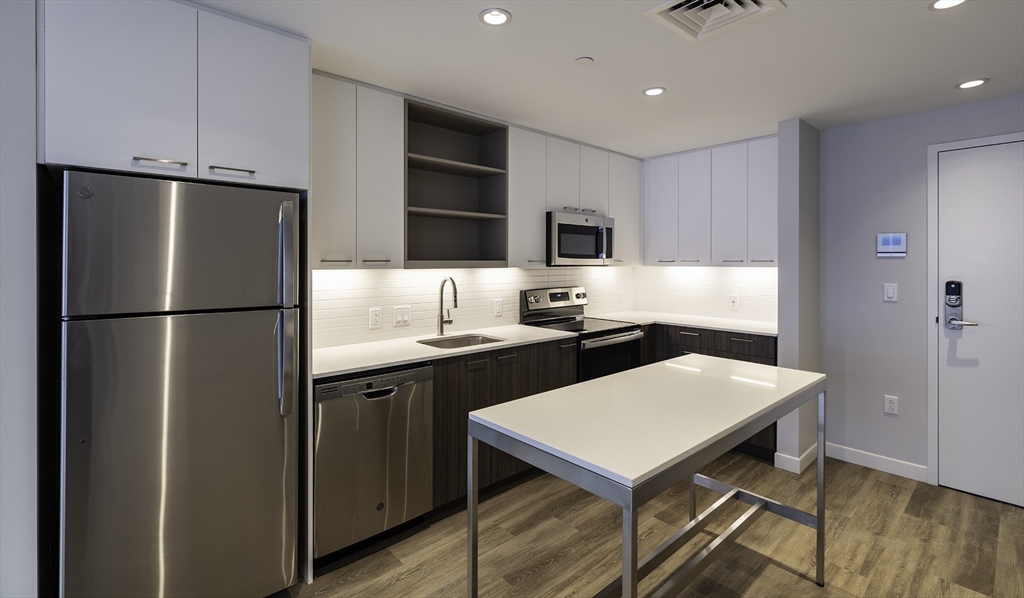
pixel 891 245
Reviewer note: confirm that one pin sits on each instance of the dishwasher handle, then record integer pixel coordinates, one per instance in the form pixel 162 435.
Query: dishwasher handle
pixel 384 393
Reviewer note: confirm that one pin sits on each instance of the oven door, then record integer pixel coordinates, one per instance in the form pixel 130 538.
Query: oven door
pixel 610 354
pixel 577 239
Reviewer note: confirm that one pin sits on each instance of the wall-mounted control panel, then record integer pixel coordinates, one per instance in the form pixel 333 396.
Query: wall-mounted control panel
pixel 891 245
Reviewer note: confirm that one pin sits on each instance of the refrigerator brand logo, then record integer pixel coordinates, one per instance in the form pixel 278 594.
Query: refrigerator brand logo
pixel 84 192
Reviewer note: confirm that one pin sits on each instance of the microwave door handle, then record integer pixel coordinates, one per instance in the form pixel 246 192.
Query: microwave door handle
pixel 600 242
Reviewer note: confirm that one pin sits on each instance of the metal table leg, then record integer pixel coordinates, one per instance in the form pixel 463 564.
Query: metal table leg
pixel 630 574
pixel 471 516
pixel 821 490
pixel 693 497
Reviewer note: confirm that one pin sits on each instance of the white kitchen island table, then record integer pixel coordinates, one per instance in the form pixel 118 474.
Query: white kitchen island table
pixel 630 436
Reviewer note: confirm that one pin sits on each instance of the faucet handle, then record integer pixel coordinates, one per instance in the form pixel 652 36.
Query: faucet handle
pixel 448 316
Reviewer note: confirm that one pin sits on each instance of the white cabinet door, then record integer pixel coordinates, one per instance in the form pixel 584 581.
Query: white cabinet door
pixel 763 202
pixel 380 179
pixel 120 84
pixel 527 204
pixel 661 211
pixel 729 205
pixel 253 104
pixel 593 181
pixel 563 176
pixel 695 208
pixel 333 184
pixel 624 207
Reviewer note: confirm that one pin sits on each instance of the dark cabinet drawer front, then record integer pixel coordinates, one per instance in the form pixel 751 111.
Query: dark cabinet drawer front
pixel 745 344
pixel 692 338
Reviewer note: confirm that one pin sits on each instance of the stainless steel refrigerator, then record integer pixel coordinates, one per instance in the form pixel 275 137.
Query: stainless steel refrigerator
pixel 179 388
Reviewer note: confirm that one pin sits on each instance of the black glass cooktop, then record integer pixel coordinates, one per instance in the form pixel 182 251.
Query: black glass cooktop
pixel 592 326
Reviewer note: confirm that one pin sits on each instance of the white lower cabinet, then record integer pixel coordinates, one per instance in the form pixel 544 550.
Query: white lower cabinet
pixel 661 211
pixel 380 179
pixel 624 188
pixel 527 198
pixel 333 185
pixel 763 202
pixel 729 205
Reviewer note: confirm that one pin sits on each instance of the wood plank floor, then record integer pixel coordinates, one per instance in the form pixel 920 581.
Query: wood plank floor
pixel 886 536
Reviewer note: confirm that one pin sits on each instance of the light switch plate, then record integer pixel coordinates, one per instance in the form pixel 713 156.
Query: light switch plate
pixel 890 292
pixel 734 302
pixel 497 308
pixel 402 315
pixel 374 318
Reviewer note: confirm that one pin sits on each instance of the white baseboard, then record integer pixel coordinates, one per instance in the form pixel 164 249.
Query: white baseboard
pixel 879 462
pixel 798 465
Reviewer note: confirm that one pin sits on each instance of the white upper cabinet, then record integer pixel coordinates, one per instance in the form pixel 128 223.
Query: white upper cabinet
pixel 380 179
pixel 763 202
pixel 527 203
pixel 563 176
pixel 729 205
pixel 164 88
pixel 120 86
pixel 695 208
pixel 593 181
pixel 661 211
pixel 624 207
pixel 333 184
pixel 253 104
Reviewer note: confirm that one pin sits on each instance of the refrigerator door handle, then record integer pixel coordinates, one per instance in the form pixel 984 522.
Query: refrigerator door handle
pixel 287 359
pixel 287 254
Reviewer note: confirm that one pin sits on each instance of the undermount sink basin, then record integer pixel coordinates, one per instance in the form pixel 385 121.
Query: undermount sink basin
pixel 455 342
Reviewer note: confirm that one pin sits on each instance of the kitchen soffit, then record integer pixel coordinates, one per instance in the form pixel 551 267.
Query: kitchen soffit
pixel 832 63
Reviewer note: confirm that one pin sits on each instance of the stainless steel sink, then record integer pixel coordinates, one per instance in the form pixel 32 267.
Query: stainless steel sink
pixel 455 342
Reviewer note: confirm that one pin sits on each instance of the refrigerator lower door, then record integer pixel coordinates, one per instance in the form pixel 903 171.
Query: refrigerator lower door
pixel 179 471
pixel 137 245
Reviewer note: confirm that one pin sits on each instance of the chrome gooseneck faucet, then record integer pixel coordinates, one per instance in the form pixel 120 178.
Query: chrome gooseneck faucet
pixel 441 320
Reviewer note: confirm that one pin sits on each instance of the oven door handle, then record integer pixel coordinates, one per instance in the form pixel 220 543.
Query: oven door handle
pixel 612 340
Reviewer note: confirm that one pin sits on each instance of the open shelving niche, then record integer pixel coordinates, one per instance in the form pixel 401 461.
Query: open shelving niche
pixel 456 190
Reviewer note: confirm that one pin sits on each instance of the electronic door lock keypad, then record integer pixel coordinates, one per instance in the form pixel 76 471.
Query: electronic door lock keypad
pixel 955 306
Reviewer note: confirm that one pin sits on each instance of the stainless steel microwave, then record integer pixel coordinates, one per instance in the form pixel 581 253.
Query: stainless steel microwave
pixel 579 239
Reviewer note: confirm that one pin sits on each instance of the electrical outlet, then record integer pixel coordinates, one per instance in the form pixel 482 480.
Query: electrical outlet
pixel 374 318
pixel 734 302
pixel 497 308
pixel 892 404
pixel 402 315
pixel 622 297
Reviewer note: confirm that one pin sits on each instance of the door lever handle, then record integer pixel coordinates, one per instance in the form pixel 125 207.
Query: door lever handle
pixel 956 322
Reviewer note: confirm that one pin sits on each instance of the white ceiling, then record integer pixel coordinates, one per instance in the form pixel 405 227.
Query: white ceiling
pixel 830 62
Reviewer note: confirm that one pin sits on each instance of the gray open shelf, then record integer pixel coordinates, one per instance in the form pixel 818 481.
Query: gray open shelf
pixel 456 190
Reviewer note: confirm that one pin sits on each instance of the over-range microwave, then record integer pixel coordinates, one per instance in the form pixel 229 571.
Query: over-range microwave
pixel 579 239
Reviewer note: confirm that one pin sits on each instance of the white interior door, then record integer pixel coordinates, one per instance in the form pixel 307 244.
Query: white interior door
pixel 981 368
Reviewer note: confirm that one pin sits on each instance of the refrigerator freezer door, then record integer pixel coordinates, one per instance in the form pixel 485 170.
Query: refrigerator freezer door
pixel 138 245
pixel 180 472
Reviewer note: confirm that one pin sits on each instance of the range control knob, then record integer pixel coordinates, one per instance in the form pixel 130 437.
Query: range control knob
pixel 581 295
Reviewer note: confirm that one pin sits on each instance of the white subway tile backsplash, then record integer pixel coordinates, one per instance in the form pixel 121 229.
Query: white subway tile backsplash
pixel 342 298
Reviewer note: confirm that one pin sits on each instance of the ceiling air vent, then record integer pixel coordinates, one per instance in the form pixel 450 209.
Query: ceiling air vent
pixel 698 19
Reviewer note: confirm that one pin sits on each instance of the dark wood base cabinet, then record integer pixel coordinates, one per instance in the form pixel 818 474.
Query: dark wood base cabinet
pixel 672 341
pixel 466 383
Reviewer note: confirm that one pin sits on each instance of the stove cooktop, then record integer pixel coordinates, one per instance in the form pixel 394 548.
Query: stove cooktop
pixel 591 326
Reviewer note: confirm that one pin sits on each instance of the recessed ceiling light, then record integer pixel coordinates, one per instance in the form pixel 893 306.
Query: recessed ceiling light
pixel 495 16
pixel 654 91
pixel 944 4
pixel 972 83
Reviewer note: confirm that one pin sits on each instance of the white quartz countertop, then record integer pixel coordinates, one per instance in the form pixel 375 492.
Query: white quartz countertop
pixel 331 361
pixel 724 324
pixel 635 424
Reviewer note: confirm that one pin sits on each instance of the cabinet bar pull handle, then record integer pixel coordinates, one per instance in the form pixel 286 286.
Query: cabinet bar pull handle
pixel 336 261
pixel 376 261
pixel 741 340
pixel 160 160
pixel 618 261
pixel 535 261
pixel 733 261
pixel 690 261
pixel 666 261
pixel 588 210
pixel 567 346
pixel 245 170
pixel 570 208
pixel 507 356
pixel 476 362
pixel 764 261
pixel 690 333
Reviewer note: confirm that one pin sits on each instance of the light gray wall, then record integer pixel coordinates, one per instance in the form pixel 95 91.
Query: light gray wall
pixel 873 179
pixel 17 298
pixel 798 278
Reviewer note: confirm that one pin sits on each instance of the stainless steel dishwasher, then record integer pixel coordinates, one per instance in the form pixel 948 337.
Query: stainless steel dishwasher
pixel 373 456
